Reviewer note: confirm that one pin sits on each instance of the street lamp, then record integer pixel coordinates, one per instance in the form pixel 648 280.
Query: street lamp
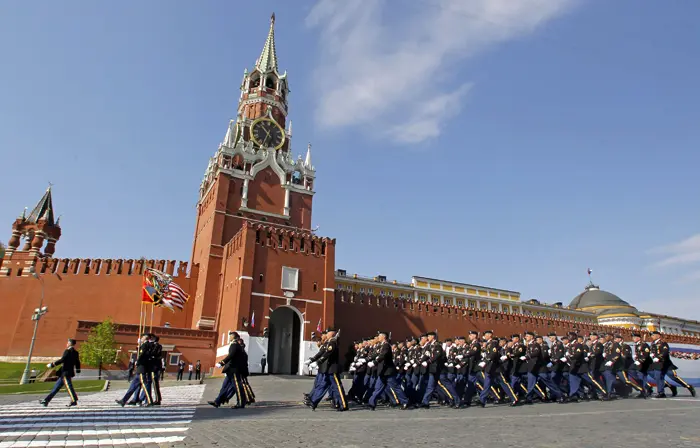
pixel 36 317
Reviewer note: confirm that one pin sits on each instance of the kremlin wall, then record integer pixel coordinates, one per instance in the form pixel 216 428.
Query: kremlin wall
pixel 258 268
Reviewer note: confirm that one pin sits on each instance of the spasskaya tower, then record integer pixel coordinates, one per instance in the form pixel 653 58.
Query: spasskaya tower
pixel 252 177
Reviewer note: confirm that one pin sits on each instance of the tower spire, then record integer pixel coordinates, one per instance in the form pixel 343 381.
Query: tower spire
pixel 268 58
pixel 307 162
pixel 43 209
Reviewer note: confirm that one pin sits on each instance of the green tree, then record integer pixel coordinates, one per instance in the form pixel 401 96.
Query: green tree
pixel 99 347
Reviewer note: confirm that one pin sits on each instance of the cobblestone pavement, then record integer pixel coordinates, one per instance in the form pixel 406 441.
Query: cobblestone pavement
pixel 98 420
pixel 278 420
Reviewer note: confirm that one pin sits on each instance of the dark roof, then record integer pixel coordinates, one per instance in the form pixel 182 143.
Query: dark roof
pixel 44 207
pixel 619 310
pixel 593 296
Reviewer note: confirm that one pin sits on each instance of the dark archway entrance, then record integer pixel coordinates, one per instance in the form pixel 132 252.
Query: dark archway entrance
pixel 284 340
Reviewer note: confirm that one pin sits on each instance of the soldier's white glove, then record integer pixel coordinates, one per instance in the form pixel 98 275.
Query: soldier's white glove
pixel 407 366
pixel 459 357
pixel 313 365
pixel 450 365
pixel 415 365
pixel 549 365
pixel 352 368
pixel 307 362
pixel 482 364
pixel 523 358
pixel 370 364
pixel 447 365
pixel 637 363
pixel 362 360
pixel 218 364
pixel 605 355
pixel 586 358
pixel 49 365
pixel 563 359
pixel 609 363
pixel 424 364
pixel 655 359
pixel 503 358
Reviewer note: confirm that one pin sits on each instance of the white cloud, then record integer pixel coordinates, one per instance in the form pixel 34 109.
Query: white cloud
pixel 681 253
pixel 403 73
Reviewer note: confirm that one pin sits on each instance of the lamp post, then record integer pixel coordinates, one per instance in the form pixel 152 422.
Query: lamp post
pixel 36 317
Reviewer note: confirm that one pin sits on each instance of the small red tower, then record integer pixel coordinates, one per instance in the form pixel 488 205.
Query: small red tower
pixel 40 231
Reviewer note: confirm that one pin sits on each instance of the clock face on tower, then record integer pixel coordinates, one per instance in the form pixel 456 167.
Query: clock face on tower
pixel 267 133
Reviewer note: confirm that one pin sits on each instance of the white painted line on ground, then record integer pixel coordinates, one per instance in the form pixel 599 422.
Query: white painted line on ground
pixel 39 424
pixel 100 442
pixel 91 432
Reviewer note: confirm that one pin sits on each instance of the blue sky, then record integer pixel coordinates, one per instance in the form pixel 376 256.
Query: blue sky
pixel 510 144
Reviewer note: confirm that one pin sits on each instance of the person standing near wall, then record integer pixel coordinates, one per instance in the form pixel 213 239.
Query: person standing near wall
pixel 263 363
pixel 180 369
pixel 190 368
pixel 198 370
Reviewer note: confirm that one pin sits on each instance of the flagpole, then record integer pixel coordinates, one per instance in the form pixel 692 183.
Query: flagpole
pixel 153 311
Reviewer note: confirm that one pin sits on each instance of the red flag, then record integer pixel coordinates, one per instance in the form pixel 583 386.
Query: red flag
pixel 318 327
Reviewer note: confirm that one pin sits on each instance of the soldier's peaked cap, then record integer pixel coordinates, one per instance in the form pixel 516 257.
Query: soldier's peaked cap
pixel 655 332
pixel 385 333
pixel 530 333
pixel 552 334
pixel 431 333
pixel 474 332
pixel 516 336
pixel 488 331
pixel 636 335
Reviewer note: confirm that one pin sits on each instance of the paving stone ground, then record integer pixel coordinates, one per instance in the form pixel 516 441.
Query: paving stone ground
pixel 278 420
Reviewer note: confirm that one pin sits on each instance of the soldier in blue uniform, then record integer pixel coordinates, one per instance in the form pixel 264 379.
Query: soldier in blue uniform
pixel 327 359
pixel 232 366
pixel 142 380
pixel 662 366
pixel 386 375
pixel 69 364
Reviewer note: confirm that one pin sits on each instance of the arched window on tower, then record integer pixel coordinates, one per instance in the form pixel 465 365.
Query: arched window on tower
pixel 254 81
pixel 296 178
pixel 270 82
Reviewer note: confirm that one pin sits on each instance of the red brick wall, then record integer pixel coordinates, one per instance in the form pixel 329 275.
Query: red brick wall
pixel 79 290
pixel 369 314
pixel 265 192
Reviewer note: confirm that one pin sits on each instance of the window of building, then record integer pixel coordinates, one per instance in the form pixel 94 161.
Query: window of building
pixel 435 299
pixel 472 303
pixel 494 308
pixel 391 293
pixel 370 290
pixel 362 290
pixel 460 302
pixel 290 278
pixel 291 243
pixel 174 359
pixel 422 298
pixel 484 306
pixel 506 309
pixel 315 286
pixel 401 295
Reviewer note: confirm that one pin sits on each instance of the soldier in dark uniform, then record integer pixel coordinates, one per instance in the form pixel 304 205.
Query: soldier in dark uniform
pixel 327 359
pixel 595 365
pixel 557 351
pixel 386 375
pixel 430 360
pixel 505 369
pixel 534 364
pixel 232 366
pixel 472 357
pixel 143 375
pixel 613 358
pixel 69 364
pixel 319 343
pixel 639 369
pixel 662 366
pixel 626 363
pixel 155 357
pixel 461 365
pixel 359 368
pixel 245 372
pixel 446 388
pixel 489 366
pixel 518 374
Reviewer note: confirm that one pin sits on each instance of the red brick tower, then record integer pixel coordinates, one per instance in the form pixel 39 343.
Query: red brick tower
pixel 253 240
pixel 39 230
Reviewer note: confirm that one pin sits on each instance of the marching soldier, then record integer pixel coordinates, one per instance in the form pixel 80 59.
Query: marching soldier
pixel 472 357
pixel 232 366
pixel 386 375
pixel 70 364
pixel 662 366
pixel 143 377
pixel 327 359
pixel 639 370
